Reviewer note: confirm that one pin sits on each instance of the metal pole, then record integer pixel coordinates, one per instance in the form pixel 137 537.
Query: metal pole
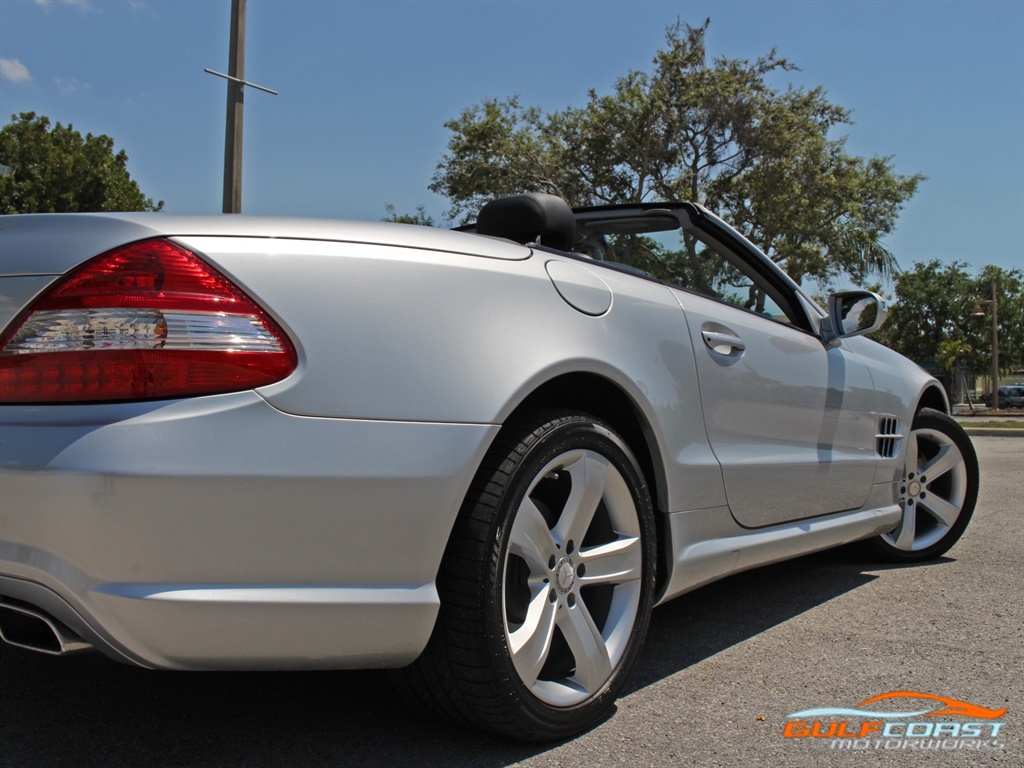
pixel 995 348
pixel 233 127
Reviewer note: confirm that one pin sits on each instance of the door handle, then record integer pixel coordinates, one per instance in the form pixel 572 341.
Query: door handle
pixel 723 343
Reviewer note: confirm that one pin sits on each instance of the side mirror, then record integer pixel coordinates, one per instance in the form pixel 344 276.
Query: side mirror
pixel 853 313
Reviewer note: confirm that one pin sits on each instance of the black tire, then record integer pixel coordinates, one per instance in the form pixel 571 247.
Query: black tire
pixel 533 643
pixel 938 491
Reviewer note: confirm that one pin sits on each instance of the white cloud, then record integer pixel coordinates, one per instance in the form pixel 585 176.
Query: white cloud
pixel 84 5
pixel 14 70
pixel 69 85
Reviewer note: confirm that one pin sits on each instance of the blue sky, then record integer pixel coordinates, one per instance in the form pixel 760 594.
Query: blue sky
pixel 365 89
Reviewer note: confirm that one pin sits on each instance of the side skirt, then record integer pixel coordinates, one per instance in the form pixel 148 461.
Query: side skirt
pixel 706 545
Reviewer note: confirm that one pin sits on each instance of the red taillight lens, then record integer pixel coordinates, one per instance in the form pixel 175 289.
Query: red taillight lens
pixel 147 320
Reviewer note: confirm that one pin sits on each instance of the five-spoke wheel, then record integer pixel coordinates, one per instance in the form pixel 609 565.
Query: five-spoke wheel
pixel 573 577
pixel 547 584
pixel 938 490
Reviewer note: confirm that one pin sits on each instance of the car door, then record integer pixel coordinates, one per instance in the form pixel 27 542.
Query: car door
pixel 787 415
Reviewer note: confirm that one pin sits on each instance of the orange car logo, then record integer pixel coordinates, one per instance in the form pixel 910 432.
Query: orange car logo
pixel 949 706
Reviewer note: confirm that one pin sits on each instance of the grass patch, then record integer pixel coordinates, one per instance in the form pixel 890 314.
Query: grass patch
pixel 992 424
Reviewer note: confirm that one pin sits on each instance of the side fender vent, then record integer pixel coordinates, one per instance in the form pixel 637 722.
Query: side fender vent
pixel 887 441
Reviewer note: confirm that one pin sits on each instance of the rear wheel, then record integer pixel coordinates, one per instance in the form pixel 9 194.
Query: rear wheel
pixel 938 491
pixel 546 585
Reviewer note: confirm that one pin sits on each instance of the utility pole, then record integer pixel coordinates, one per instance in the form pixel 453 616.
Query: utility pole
pixel 979 312
pixel 995 347
pixel 236 102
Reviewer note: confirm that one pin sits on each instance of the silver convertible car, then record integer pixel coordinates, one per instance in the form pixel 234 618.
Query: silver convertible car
pixel 480 457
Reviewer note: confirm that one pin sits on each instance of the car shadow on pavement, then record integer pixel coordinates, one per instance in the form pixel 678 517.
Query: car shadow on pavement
pixel 86 710
pixel 696 626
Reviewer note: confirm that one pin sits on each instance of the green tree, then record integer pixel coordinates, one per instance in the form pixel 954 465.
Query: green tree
pixel 714 133
pixel 421 217
pixel 933 317
pixel 60 171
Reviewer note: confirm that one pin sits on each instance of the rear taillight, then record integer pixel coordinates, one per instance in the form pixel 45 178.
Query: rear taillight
pixel 147 320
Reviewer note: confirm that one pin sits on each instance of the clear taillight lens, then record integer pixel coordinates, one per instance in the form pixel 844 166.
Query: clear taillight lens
pixel 147 320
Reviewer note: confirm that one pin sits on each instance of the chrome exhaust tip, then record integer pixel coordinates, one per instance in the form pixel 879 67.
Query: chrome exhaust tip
pixel 35 631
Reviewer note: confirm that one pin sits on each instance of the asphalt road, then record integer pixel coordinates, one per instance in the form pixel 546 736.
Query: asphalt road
pixel 722 668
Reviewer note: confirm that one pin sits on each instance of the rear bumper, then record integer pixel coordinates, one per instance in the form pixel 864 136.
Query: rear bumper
pixel 220 533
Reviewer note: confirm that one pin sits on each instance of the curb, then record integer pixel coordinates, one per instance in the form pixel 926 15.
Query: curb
pixel 993 432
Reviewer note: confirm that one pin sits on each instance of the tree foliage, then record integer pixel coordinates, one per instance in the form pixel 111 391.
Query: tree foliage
pixel 421 217
pixel 59 170
pixel 719 134
pixel 934 316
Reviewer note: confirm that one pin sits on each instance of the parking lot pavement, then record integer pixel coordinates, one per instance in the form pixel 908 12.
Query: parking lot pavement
pixel 722 668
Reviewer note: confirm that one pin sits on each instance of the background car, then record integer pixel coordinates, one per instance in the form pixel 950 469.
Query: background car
pixel 478 457
pixel 1009 397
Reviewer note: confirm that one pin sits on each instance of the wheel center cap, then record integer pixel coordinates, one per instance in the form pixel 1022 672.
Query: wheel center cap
pixel 565 575
pixel 915 488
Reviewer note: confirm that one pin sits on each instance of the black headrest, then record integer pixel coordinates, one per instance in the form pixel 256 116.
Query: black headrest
pixel 529 218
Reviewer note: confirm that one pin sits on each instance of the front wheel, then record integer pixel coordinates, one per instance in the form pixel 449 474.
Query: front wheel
pixel 547 583
pixel 938 491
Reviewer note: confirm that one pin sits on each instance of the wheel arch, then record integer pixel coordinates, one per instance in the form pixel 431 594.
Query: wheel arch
pixel 933 397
